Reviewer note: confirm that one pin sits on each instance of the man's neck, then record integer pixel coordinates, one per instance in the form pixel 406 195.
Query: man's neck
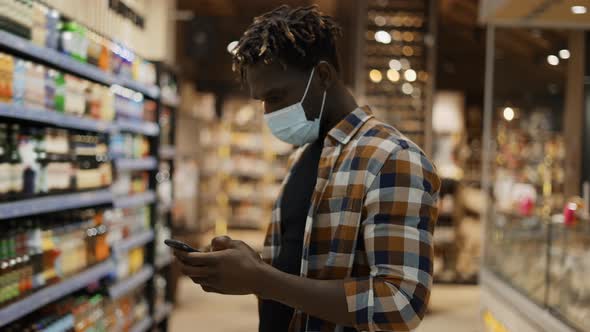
pixel 339 104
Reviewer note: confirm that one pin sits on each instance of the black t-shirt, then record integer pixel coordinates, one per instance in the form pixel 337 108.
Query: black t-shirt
pixel 295 204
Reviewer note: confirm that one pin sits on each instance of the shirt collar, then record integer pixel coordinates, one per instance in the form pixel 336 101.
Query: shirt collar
pixel 347 127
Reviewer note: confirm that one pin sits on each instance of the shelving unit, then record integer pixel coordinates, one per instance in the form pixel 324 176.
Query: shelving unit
pixel 167 108
pixel 52 57
pixel 25 49
pixel 398 66
pixel 131 283
pixel 49 294
pixel 137 127
pixel 54 203
pixel 49 117
pixel 130 165
pixel 133 242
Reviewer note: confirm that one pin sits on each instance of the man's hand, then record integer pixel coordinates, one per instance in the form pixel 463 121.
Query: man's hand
pixel 231 267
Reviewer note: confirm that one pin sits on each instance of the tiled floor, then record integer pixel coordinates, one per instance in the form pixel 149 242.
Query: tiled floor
pixel 453 309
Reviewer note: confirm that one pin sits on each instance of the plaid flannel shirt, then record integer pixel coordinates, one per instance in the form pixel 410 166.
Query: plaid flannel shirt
pixel 370 223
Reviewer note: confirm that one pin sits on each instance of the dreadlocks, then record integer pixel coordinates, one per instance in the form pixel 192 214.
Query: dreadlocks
pixel 300 37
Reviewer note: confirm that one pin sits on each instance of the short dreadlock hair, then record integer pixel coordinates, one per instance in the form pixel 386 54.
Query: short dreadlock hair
pixel 300 37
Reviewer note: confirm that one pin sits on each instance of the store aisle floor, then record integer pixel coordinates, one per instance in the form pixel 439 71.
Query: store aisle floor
pixel 454 308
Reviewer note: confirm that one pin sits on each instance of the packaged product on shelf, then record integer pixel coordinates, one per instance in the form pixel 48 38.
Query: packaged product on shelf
pixel 144 71
pixel 39 31
pixel 16 165
pixel 129 263
pixel 40 251
pixel 60 92
pixel 95 48
pixel 50 89
pixel 46 160
pixel 93 169
pixel 5 165
pixel 124 145
pixel 128 103
pixel 6 77
pixel 19 82
pixel 34 94
pixel 73 40
pixel 75 98
pixel 83 311
pixel 121 60
pixel 125 223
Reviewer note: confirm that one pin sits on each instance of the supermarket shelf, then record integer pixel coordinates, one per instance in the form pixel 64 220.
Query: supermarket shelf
pixel 138 127
pixel 163 260
pixel 125 286
pixel 162 312
pixel 143 164
pixel 515 310
pixel 64 62
pixel 135 200
pixel 54 203
pixel 55 292
pixel 41 115
pixel 133 242
pixel 149 90
pixel 142 326
pixel 167 152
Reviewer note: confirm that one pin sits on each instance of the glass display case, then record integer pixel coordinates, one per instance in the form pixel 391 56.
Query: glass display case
pixel 537 233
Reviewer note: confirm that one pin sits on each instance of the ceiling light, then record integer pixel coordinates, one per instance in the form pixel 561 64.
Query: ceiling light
pixel 407 88
pixel 410 75
pixel 375 76
pixel 564 54
pixel 393 75
pixel 380 21
pixel 383 37
pixel 395 64
pixel 509 114
pixel 553 60
pixel 579 10
pixel 405 63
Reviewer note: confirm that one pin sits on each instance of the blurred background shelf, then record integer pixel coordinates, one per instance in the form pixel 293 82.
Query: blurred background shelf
pixel 53 203
pixel 134 200
pixel 123 287
pixel 55 292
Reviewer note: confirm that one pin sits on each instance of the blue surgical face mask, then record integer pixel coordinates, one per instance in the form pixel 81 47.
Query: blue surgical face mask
pixel 290 125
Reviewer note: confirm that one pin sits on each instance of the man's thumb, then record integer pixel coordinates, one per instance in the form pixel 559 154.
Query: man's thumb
pixel 221 243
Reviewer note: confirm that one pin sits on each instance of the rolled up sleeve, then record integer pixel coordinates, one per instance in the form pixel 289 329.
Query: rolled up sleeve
pixel 401 211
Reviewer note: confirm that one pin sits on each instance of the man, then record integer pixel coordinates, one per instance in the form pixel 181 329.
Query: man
pixel 349 246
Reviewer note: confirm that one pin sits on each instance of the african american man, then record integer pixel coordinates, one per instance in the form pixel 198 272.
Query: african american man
pixel 349 246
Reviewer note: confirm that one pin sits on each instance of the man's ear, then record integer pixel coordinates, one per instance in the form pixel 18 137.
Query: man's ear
pixel 327 74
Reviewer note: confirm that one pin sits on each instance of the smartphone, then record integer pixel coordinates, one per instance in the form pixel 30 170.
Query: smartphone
pixel 180 245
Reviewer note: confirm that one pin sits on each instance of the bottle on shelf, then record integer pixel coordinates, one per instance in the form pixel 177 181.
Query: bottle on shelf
pixel 16 165
pixel 5 165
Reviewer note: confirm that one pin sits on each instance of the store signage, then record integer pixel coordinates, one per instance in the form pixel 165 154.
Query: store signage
pixel 127 12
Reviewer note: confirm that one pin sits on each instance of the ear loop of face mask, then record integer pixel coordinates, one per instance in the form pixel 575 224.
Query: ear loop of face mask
pixel 307 89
